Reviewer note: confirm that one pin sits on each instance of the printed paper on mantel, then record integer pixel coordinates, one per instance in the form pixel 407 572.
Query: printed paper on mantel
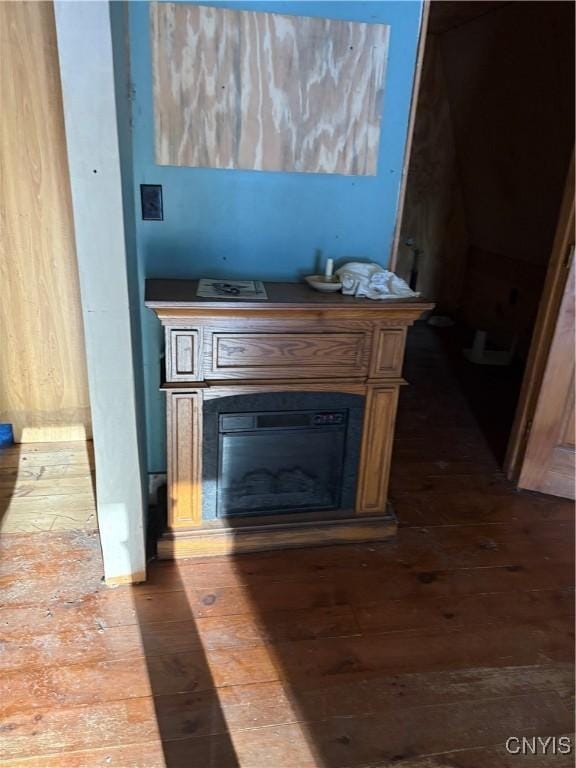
pixel 261 91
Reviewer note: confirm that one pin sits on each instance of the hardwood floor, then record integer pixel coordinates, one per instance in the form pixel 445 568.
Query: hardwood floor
pixel 47 487
pixel 427 652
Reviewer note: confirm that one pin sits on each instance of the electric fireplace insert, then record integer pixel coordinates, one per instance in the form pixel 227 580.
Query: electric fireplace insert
pixel 281 459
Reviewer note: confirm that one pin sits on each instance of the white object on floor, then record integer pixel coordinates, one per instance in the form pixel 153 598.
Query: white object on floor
pixel 479 355
pixel 372 281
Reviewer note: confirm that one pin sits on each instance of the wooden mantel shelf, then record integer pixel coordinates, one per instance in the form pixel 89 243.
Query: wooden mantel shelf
pixel 298 340
pixel 181 294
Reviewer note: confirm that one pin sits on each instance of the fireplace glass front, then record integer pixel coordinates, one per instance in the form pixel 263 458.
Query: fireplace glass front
pixel 273 462
pixel 276 453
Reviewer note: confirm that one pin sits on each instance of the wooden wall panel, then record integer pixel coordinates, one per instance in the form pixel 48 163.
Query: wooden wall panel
pixel 548 464
pixel 501 297
pixel 493 135
pixel 43 389
pixel 433 208
pixel 238 89
pixel 510 81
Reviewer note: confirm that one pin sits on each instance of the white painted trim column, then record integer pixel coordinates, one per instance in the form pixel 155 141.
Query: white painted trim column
pixel 88 92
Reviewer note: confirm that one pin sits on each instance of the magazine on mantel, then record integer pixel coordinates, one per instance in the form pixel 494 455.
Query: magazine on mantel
pixel 231 289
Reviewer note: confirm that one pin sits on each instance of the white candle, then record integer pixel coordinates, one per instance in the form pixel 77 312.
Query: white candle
pixel 329 268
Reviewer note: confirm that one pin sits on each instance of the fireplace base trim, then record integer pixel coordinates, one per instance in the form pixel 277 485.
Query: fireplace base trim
pixel 254 538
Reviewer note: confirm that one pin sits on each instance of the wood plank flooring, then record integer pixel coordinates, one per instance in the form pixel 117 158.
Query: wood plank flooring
pixel 47 487
pixel 426 652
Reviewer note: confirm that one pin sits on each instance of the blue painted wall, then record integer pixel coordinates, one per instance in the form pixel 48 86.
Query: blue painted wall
pixel 266 225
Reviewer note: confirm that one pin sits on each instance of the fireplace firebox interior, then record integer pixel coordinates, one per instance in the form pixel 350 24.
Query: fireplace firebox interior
pixel 280 453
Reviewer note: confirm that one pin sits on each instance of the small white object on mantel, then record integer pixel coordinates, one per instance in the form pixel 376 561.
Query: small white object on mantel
pixel 371 281
pixel 323 284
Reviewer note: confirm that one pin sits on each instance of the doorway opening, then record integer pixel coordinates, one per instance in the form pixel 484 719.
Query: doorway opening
pixel 491 148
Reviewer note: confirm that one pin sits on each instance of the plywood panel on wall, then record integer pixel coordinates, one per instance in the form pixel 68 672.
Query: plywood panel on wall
pixel 238 89
pixel 43 386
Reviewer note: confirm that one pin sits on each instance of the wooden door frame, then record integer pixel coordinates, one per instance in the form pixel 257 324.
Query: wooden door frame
pixel 393 261
pixel 553 291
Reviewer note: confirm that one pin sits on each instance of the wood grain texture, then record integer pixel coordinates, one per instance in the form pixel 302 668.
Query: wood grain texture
pixel 175 298
pixel 549 462
pixel 183 358
pixel 230 541
pixel 388 352
pixel 482 150
pixel 552 294
pixel 376 451
pixel 295 340
pixel 289 355
pixel 433 215
pixel 422 44
pixel 184 416
pixel 227 388
pixel 227 351
pixel 508 148
pixel 455 636
pixel 261 91
pixel 47 489
pixel 43 384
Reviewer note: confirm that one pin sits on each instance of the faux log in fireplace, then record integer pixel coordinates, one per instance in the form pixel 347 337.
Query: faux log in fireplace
pixel 280 416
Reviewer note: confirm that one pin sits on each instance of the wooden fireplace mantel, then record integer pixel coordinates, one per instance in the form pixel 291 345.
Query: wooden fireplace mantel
pixel 298 340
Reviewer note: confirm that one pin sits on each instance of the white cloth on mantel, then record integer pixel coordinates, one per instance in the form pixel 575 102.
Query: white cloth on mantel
pixel 386 285
pixel 373 282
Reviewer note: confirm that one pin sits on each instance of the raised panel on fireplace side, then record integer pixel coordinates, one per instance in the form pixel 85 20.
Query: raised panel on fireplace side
pixel 376 454
pixel 184 419
pixel 183 358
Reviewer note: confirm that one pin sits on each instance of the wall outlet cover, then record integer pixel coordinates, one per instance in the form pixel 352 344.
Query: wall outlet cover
pixel 152 205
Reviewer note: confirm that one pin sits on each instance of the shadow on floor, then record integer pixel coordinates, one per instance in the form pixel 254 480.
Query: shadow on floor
pixel 376 654
pixel 10 473
pixel 190 720
pixel 491 391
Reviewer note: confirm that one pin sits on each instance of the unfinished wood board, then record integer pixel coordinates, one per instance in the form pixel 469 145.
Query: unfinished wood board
pixel 261 91
pixel 549 461
pixel 544 330
pixel 43 387
pixel 47 487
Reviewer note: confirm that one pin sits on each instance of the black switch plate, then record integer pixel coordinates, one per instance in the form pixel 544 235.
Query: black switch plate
pixel 151 197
